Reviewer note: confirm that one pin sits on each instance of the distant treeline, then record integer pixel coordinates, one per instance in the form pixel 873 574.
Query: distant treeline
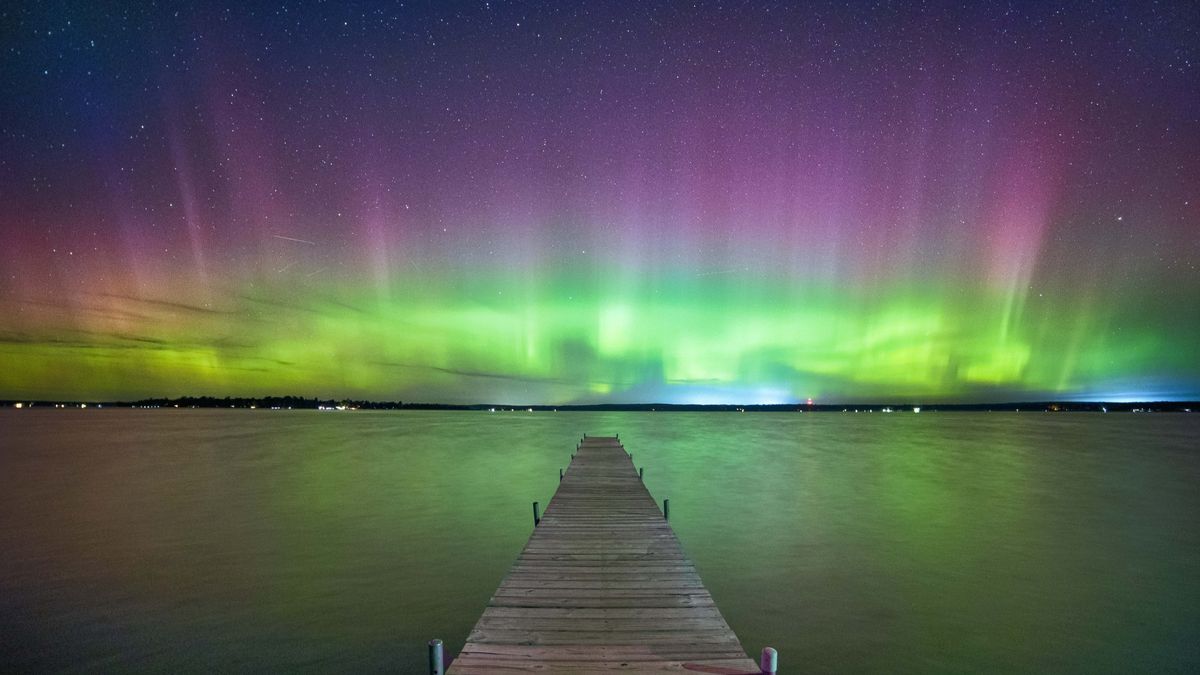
pixel 294 402
pixel 302 403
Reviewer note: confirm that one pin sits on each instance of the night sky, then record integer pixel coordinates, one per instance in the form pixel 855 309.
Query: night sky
pixel 601 202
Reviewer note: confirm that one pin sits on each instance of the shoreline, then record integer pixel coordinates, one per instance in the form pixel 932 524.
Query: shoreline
pixel 297 403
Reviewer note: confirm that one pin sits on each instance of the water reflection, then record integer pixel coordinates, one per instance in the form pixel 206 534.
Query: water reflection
pixel 252 540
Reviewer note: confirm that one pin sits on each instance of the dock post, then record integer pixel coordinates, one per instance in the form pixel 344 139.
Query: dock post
pixel 769 663
pixel 536 518
pixel 435 658
pixel 642 473
pixel 618 438
pixel 666 509
pixel 560 475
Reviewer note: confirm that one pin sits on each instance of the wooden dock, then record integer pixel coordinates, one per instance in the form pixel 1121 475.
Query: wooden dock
pixel 602 585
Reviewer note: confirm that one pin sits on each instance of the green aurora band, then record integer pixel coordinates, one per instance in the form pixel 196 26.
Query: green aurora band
pixel 694 341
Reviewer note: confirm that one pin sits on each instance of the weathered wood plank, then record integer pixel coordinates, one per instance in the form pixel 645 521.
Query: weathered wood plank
pixel 627 613
pixel 521 652
pixel 602 585
pixel 485 666
pixel 679 624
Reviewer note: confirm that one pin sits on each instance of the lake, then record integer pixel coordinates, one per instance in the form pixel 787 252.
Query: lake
pixel 251 540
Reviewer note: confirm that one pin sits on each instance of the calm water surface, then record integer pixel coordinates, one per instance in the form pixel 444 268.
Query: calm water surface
pixel 257 540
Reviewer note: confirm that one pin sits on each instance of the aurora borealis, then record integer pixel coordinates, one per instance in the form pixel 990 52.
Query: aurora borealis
pixel 601 202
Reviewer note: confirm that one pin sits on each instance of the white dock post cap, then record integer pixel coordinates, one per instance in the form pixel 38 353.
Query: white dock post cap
pixel 769 663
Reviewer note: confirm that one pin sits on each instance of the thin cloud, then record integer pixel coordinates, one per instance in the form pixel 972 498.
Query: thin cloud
pixel 163 304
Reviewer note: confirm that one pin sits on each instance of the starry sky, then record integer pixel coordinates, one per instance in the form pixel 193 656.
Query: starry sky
pixel 695 202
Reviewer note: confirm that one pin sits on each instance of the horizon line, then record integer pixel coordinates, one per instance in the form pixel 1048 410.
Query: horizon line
pixel 398 404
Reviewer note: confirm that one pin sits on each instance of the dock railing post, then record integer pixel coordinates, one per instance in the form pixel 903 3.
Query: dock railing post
pixel 536 517
pixel 560 475
pixel 769 663
pixel 642 473
pixel 666 509
pixel 436 658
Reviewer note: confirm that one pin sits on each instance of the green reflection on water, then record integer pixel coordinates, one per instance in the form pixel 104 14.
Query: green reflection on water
pixel 258 540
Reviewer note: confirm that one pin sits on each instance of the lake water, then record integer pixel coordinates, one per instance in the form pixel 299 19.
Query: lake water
pixel 246 540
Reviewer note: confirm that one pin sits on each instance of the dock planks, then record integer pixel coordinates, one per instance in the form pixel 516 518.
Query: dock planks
pixel 602 585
